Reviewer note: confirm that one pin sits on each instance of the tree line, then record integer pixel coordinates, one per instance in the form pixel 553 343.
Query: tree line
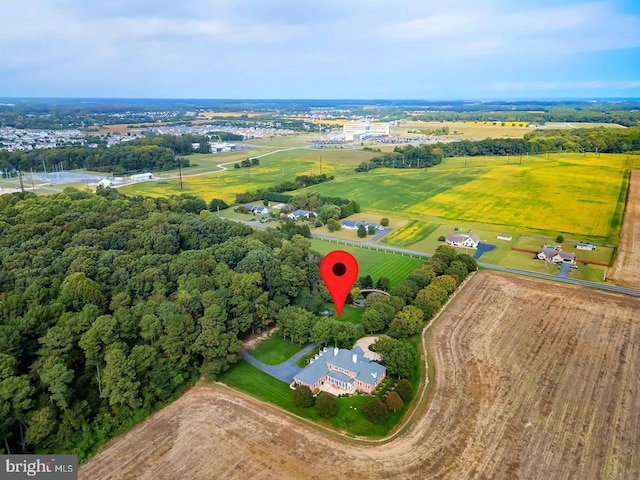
pixel 402 314
pixel 541 114
pixel 110 306
pixel 578 140
pixel 153 152
pixel 276 193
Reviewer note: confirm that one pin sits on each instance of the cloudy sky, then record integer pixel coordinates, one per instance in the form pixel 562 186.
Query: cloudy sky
pixel 400 49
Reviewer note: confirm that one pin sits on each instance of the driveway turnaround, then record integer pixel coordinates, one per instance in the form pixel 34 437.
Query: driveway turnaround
pixel 285 371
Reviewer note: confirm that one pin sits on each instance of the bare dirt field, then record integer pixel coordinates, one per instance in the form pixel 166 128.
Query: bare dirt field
pixel 533 380
pixel 626 269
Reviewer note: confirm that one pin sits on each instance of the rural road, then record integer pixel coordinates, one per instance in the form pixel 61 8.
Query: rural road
pixel 404 251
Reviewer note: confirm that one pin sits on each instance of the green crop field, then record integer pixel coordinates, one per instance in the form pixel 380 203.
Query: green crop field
pixel 410 234
pixel 572 194
pixel 576 195
pixel 273 169
pixel 376 263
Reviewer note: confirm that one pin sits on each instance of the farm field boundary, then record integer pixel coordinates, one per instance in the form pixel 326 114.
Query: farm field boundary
pixel 626 268
pixel 520 365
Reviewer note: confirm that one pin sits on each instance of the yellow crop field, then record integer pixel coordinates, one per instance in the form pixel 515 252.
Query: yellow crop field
pixel 331 122
pixel 576 196
pixel 413 232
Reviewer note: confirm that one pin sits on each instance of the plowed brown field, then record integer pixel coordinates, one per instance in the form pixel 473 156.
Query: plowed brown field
pixel 533 380
pixel 626 269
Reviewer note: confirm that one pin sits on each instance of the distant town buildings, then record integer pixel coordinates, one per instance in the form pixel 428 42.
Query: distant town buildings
pixel 353 131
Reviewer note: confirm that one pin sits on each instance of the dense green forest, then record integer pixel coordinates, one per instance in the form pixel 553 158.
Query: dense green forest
pixel 110 306
pixel 153 152
pixel 597 140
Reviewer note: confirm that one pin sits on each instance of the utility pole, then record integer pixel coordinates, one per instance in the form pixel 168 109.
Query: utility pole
pixel 320 163
pixel 21 182
pixel 33 185
pixel 180 171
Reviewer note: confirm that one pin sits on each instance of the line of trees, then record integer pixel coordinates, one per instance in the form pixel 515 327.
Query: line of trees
pixel 275 193
pixel 542 114
pixel 598 140
pixel 110 306
pixel 404 313
pixel 119 159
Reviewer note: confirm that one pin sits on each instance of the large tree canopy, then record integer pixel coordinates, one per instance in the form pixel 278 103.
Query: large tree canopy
pixel 110 306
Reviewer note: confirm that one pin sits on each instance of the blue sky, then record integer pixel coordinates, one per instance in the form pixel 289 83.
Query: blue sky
pixel 405 49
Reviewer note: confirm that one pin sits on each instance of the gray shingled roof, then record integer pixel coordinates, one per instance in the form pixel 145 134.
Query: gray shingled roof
pixel 363 368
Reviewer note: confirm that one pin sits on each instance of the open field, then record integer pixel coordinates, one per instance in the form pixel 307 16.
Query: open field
pixel 578 196
pixel 568 198
pixel 465 130
pixel 377 263
pixel 533 380
pixel 626 269
pixel 273 169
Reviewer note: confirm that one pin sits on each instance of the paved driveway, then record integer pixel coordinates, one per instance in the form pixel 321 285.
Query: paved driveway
pixel 285 371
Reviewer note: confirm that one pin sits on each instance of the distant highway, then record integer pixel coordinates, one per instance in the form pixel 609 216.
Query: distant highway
pixel 488 266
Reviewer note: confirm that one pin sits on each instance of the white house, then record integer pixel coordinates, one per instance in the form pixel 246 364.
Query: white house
pixel 353 224
pixel 302 214
pixel 257 209
pixel 555 255
pixel 459 240
pixel 104 183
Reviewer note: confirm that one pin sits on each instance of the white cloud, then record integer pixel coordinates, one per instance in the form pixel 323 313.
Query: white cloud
pixel 408 45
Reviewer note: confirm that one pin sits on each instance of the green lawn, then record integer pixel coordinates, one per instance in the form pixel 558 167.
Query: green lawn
pixel 248 379
pixel 274 350
pixel 376 263
pixel 590 273
pixel 349 314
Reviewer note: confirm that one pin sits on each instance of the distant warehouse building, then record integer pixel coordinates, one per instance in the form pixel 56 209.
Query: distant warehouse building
pixel 356 130
pixel 217 147
pixel 141 177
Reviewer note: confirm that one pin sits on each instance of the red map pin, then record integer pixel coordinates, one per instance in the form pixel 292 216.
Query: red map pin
pixel 339 271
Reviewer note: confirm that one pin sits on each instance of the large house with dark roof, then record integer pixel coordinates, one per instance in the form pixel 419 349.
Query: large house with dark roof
pixel 554 254
pixel 346 370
